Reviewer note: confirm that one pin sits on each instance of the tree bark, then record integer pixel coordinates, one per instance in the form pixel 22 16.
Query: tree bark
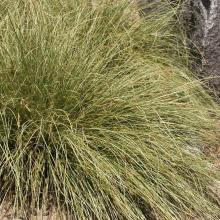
pixel 201 19
pixel 205 33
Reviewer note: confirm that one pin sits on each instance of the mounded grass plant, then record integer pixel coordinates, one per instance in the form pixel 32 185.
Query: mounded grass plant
pixel 99 114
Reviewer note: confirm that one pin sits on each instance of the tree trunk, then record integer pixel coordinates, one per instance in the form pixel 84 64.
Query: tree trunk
pixel 201 19
pixel 205 33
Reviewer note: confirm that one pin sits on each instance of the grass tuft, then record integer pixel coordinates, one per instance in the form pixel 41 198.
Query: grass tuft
pixel 99 114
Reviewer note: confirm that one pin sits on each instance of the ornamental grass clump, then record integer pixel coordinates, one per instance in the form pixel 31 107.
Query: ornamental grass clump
pixel 100 116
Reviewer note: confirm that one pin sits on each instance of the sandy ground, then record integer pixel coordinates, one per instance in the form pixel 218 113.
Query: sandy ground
pixel 6 213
